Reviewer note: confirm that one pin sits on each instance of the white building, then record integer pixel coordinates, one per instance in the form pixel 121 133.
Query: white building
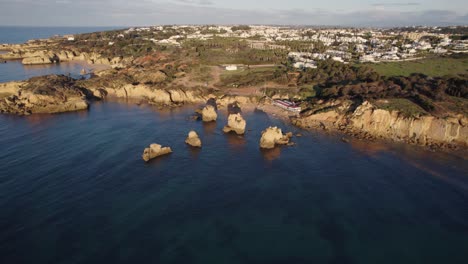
pixel 231 68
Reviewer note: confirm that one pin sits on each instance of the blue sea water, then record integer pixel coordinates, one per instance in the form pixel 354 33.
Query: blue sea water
pixel 74 189
pixel 15 34
pixel 15 71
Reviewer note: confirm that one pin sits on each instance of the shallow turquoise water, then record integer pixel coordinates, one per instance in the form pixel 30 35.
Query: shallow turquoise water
pixel 73 189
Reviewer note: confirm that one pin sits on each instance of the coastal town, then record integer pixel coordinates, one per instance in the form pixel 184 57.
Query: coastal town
pixel 339 44
pixel 305 46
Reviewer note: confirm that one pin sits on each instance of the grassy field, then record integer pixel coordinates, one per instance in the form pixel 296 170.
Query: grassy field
pixel 247 77
pixel 402 105
pixel 437 66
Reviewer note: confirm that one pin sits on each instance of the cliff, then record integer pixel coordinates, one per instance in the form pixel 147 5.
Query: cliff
pixel 368 121
pixel 43 55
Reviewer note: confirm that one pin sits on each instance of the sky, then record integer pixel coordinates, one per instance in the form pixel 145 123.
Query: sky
pixel 279 12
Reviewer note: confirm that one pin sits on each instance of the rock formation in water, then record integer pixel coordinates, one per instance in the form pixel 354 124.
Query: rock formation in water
pixel 236 123
pixel 155 150
pixel 273 136
pixel 193 139
pixel 48 94
pixel 209 114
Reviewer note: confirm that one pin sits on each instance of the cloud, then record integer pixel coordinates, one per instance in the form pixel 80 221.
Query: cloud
pixel 396 4
pixel 196 2
pixel 154 12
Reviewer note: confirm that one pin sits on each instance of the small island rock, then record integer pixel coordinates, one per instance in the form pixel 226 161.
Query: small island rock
pixel 273 136
pixel 155 150
pixel 209 114
pixel 236 123
pixel 193 139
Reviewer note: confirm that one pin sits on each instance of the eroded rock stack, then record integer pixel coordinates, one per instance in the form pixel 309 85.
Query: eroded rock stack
pixel 236 123
pixel 193 139
pixel 209 114
pixel 273 136
pixel 155 150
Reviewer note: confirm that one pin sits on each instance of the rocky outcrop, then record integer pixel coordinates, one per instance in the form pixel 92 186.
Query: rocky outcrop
pixel 193 139
pixel 152 77
pixel 40 57
pixel 144 92
pixel 236 123
pixel 209 114
pixel 33 54
pixel 36 60
pixel 273 136
pixel 425 130
pixel 370 122
pixel 155 150
pixel 225 100
pixel 48 94
pixel 10 88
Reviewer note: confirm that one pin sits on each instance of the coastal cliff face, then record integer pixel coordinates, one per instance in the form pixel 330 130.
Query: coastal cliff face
pixel 38 55
pixel 369 121
pixel 150 94
pixel 57 93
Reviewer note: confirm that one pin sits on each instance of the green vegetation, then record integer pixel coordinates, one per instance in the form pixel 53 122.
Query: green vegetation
pixel 403 105
pixel 219 50
pixel 247 77
pixel 435 67
pixel 201 73
pixel 243 27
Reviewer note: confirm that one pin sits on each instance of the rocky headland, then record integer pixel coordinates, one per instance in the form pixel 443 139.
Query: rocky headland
pixel 366 121
pixel 47 94
pixel 47 53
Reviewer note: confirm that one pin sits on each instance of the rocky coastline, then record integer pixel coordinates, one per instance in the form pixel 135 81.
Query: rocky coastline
pixel 44 53
pixel 56 93
pixel 147 80
pixel 368 122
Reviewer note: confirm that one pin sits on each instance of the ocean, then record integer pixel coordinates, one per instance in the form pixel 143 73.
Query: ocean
pixel 16 34
pixel 15 71
pixel 74 189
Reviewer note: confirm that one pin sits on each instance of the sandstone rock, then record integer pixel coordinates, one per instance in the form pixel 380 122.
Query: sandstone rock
pixel 36 60
pixel 193 139
pixel 47 94
pixel 369 122
pixel 273 136
pixel 235 123
pixel 209 114
pixel 149 77
pixel 155 150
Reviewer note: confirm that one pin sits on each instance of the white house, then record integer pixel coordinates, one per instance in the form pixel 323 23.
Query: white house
pixel 231 68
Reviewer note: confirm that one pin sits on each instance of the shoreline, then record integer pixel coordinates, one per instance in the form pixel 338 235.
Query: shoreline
pixel 365 144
